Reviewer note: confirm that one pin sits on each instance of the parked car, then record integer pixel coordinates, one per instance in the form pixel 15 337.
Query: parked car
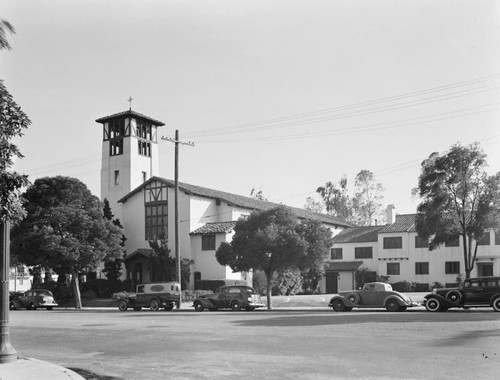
pixel 155 296
pixel 372 295
pixel 13 302
pixel 473 292
pixel 234 297
pixel 33 299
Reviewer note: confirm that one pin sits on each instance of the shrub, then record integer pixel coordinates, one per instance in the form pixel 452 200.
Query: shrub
pixel 126 285
pixel 401 286
pixel 63 293
pixel 419 287
pixel 102 288
pixel 89 295
pixel 436 285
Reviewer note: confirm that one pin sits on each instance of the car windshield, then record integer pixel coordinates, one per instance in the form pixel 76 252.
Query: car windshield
pixel 44 292
pixel 249 290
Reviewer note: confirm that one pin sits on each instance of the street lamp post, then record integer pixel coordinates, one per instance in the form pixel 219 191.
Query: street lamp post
pixel 7 353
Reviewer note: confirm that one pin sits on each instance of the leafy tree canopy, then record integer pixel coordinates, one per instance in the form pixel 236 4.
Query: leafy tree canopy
pixel 458 199
pixel 363 207
pixel 12 123
pixel 65 227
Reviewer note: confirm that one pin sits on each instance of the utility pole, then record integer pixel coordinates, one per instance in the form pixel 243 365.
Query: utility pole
pixel 177 142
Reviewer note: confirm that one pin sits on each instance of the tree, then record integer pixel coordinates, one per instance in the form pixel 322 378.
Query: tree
pixel 267 241
pixel 65 228
pixel 12 123
pixel 458 199
pixel 312 263
pixel 335 198
pixel 162 264
pixel 5 26
pixel 366 202
pixel 258 194
pixel 113 266
pixel 313 205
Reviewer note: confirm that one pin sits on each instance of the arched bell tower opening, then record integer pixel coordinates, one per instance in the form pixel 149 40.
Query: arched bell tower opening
pixel 129 154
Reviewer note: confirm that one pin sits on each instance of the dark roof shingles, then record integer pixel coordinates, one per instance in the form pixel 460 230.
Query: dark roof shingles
pixel 241 201
pixel 130 113
pixel 364 234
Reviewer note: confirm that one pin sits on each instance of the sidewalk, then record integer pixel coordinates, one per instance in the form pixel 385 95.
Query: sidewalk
pixel 33 369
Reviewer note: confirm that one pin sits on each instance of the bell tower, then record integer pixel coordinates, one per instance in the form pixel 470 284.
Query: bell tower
pixel 129 154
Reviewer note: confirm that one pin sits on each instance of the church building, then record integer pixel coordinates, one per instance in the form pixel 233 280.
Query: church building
pixel 145 203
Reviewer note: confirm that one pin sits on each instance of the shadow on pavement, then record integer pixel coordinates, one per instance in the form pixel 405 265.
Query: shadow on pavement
pixel 306 319
pixel 93 376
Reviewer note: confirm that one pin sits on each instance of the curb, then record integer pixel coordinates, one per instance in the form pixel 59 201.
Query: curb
pixel 29 368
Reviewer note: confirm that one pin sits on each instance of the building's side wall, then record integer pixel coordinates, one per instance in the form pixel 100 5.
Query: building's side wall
pixel 409 257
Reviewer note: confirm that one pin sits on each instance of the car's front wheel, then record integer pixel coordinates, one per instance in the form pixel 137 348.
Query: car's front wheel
pixel 122 305
pixel 496 304
pixel 198 306
pixel 235 306
pixel 12 306
pixel 169 307
pixel 31 306
pixel 433 305
pixel 338 305
pixel 392 305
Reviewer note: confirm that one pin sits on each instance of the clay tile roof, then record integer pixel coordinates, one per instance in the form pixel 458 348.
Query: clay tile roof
pixel 340 266
pixel 214 228
pixel 131 113
pixel 358 235
pixel 404 223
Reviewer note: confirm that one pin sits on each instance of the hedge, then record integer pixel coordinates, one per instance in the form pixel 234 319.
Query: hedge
pixel 213 285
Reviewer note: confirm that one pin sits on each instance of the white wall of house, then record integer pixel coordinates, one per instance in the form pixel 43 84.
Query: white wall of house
pixel 348 252
pixel 409 255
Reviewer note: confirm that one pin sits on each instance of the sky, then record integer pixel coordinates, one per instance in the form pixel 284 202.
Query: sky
pixel 277 95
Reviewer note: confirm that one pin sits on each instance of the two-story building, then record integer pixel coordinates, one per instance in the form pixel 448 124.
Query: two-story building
pixel 395 250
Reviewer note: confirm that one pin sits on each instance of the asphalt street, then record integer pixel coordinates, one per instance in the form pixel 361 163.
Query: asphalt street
pixel 297 344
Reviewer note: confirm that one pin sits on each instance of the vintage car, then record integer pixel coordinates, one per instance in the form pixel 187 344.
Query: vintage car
pixel 13 302
pixel 372 295
pixel 33 299
pixel 155 296
pixel 473 292
pixel 234 297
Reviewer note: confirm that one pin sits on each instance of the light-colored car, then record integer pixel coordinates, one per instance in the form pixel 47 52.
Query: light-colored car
pixel 372 295
pixel 34 299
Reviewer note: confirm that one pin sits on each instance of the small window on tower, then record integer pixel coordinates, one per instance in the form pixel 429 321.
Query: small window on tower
pixel 144 176
pixel 117 177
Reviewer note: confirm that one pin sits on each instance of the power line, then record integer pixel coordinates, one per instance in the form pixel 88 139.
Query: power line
pixel 303 118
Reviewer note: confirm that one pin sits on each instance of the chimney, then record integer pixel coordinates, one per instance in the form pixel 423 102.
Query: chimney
pixel 391 214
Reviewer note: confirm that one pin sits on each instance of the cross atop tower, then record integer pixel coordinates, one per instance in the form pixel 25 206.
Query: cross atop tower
pixel 130 101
